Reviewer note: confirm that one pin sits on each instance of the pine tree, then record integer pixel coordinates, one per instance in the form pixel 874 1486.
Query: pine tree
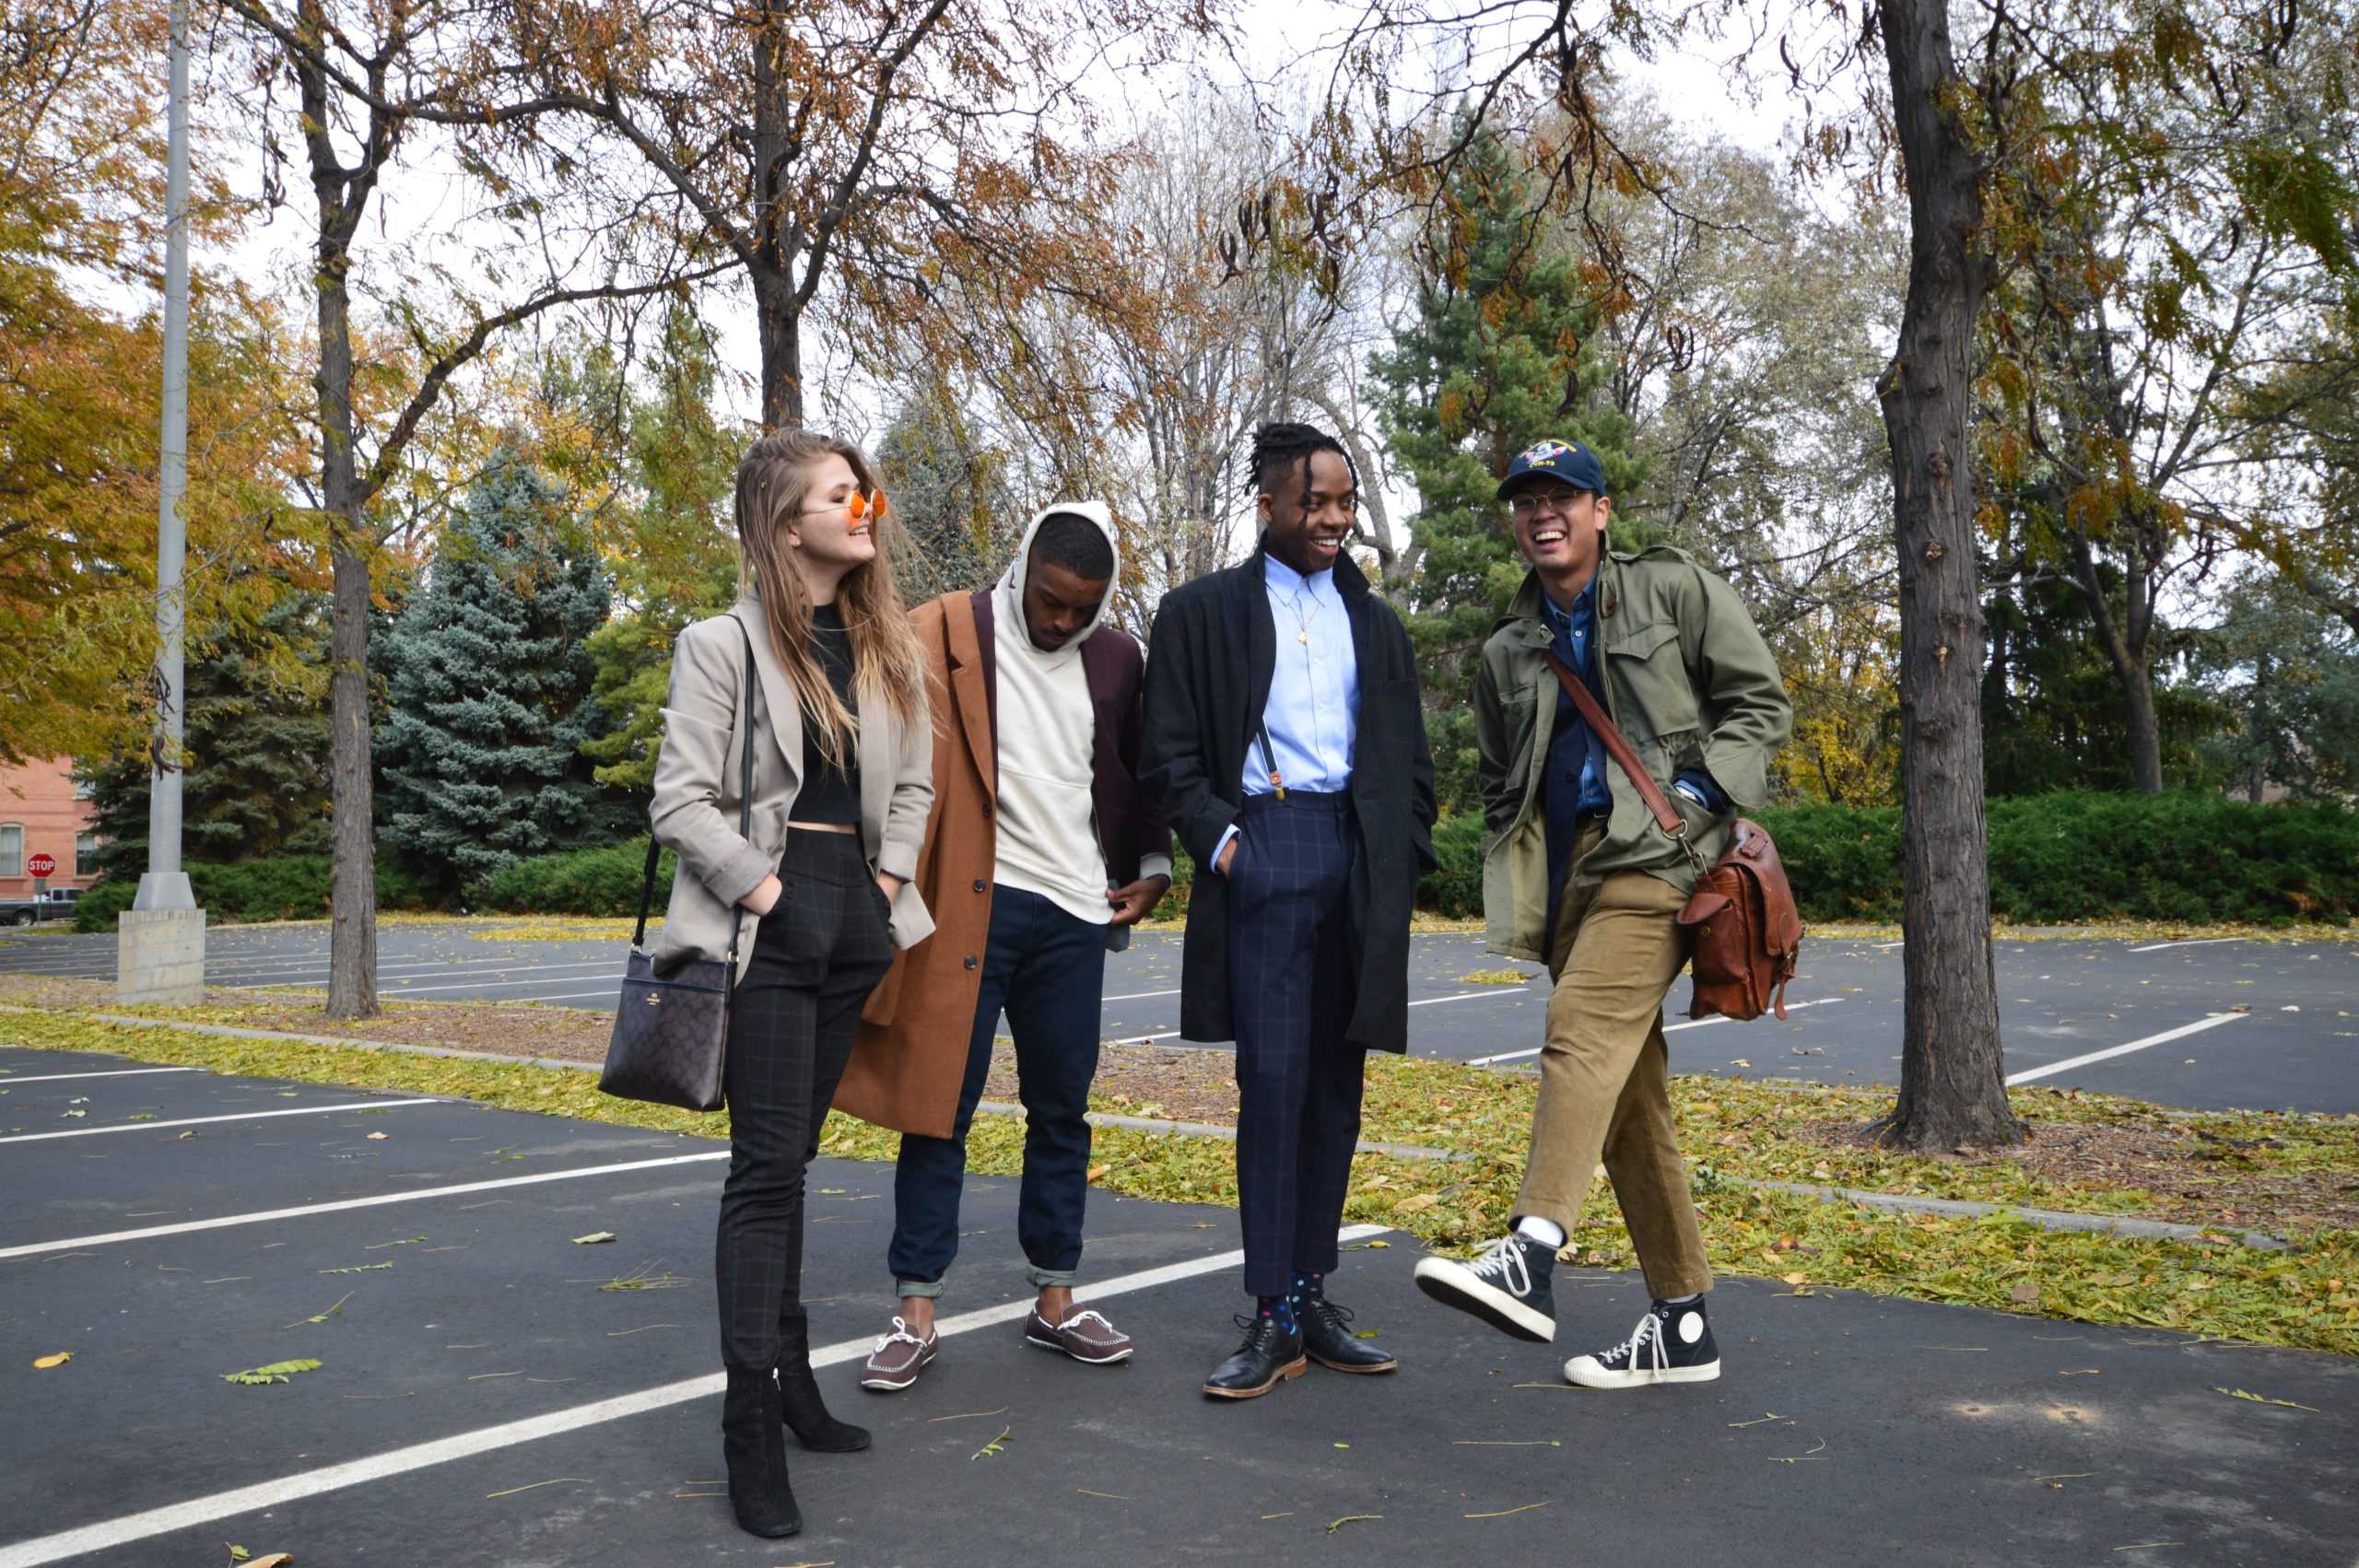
pixel 257 742
pixel 951 494
pixel 1492 358
pixel 676 486
pixel 489 685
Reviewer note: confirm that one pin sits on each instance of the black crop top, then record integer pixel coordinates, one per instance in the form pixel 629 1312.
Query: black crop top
pixel 830 794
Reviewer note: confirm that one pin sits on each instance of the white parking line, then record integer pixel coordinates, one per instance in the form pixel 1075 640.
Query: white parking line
pixel 1426 1001
pixel 2194 941
pixel 1668 1029
pixel 109 1533
pixel 302 977
pixel 6 1078
pixel 337 1206
pixel 2213 1022
pixel 1470 996
pixel 1139 996
pixel 209 1120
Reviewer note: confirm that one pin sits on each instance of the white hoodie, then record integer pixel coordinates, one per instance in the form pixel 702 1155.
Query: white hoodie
pixel 1048 821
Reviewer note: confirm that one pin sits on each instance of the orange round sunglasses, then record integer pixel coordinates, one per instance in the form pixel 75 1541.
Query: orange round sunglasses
pixel 858 509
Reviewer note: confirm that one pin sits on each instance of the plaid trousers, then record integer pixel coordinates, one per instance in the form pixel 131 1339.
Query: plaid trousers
pixel 816 956
pixel 1292 979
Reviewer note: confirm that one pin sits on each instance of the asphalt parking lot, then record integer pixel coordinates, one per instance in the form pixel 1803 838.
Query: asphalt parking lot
pixel 485 1394
pixel 2205 1024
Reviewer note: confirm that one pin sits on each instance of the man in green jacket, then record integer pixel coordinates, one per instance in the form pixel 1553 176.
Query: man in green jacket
pixel 1579 874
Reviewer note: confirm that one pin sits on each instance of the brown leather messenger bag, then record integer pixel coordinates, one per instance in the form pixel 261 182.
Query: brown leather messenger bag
pixel 1748 935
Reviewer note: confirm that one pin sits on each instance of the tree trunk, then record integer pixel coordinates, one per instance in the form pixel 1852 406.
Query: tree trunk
pixel 779 328
pixel 777 315
pixel 352 900
pixel 2125 643
pixel 1951 1087
pixel 352 933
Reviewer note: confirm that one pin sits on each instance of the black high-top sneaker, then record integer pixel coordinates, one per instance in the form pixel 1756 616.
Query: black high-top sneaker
pixel 1673 1343
pixel 1507 1287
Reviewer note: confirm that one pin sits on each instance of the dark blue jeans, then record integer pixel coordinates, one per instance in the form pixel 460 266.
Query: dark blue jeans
pixel 1047 969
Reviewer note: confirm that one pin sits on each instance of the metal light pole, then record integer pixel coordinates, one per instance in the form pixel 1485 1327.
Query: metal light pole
pixel 165 885
pixel 161 941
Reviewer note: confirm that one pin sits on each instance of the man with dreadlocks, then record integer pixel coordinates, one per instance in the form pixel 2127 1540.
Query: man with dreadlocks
pixel 1284 733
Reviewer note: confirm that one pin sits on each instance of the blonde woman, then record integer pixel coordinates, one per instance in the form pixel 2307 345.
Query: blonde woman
pixel 819 896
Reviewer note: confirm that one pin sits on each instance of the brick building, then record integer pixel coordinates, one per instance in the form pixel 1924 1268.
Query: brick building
pixel 42 813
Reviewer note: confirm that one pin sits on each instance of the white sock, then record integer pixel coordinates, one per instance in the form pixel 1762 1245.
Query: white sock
pixel 1548 1232
pixel 1683 1301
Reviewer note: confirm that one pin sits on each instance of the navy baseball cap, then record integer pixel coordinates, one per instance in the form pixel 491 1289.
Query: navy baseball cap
pixel 1568 460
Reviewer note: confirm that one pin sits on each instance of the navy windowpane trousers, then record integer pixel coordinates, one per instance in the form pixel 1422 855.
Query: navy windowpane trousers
pixel 1293 976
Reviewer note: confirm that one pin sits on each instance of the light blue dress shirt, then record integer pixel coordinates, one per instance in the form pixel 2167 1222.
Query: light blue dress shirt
pixel 1313 711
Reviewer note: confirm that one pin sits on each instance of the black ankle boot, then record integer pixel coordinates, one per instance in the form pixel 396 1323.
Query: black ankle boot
pixel 755 1450
pixel 804 1411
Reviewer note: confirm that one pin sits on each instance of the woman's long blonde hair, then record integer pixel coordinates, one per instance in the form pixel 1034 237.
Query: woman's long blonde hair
pixel 773 490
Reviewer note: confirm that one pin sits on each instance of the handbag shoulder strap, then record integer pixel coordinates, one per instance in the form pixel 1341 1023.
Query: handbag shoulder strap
pixel 1668 819
pixel 744 728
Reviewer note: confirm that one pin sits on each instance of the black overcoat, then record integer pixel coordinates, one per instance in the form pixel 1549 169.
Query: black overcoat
pixel 1209 661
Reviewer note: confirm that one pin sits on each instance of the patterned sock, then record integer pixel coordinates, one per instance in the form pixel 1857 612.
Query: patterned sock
pixel 1279 1307
pixel 1307 1287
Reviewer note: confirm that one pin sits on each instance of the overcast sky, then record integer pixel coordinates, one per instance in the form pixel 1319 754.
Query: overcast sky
pixel 1287 46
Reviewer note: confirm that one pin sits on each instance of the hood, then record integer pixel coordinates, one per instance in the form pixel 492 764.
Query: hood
pixel 1007 595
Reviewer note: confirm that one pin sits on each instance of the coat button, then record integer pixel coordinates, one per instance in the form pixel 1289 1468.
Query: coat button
pixel 971 960
pixel 980 884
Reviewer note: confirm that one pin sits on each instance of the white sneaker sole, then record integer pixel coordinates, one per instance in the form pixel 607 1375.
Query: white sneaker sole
pixel 1587 1372
pixel 1454 1284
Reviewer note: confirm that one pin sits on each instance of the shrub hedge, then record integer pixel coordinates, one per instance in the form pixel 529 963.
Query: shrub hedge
pixel 2055 859
pixel 581 882
pixel 287 887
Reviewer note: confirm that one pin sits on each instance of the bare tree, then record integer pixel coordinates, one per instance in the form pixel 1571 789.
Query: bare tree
pixel 350 85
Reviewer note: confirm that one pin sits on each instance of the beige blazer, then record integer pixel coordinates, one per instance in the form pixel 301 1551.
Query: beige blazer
pixel 694 812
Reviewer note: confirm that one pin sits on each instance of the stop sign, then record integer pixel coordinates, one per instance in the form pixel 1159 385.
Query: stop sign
pixel 41 865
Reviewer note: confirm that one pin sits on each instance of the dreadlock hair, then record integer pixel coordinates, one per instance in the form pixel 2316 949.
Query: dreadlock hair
pixel 1073 542
pixel 1279 447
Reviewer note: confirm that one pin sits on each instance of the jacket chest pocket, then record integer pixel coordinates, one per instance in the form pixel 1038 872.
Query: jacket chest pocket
pixel 1654 696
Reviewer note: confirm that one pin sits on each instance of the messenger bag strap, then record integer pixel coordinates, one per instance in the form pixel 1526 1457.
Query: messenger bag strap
pixel 1668 819
pixel 744 791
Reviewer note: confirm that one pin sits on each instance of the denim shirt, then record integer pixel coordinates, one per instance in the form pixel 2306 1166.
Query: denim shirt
pixel 1576 783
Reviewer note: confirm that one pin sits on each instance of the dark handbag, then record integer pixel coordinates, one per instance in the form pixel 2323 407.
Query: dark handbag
pixel 672 1031
pixel 1747 931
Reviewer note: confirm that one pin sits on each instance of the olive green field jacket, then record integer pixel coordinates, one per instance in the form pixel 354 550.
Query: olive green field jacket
pixel 1689 683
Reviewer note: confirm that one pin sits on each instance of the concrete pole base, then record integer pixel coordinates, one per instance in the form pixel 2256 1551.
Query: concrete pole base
pixel 159 958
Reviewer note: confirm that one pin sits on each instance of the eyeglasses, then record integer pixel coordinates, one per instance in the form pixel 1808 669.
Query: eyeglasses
pixel 859 509
pixel 1529 503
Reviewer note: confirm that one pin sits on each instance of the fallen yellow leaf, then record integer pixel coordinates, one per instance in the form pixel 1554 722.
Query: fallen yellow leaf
pixel 1096 1172
pixel 60 1358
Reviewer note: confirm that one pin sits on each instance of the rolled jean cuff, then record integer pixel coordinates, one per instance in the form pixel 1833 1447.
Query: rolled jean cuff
pixel 1040 1278
pixel 931 1290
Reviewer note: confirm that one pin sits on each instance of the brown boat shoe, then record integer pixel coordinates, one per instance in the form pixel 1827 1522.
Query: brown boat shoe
pixel 898 1359
pixel 1086 1336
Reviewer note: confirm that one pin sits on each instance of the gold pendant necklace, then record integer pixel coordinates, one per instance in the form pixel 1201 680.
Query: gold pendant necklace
pixel 1293 602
